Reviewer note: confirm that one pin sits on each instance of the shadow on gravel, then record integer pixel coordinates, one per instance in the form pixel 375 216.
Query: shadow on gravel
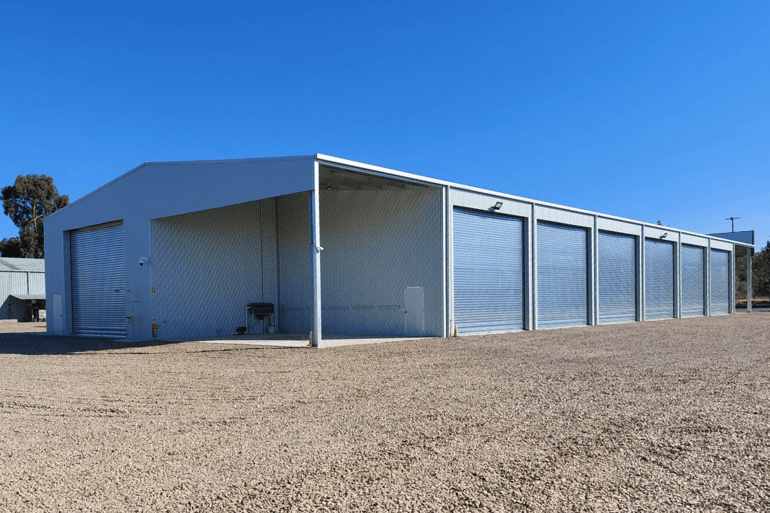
pixel 39 344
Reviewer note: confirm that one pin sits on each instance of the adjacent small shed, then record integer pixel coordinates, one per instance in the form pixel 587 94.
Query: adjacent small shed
pixel 22 289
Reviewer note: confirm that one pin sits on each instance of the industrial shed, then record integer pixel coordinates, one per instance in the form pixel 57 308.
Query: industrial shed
pixel 22 289
pixel 178 250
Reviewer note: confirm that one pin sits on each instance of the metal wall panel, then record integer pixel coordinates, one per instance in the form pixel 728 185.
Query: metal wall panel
pixel 488 272
pixel 693 275
pixel 6 302
pixel 562 276
pixel 98 270
pixel 36 283
pixel 378 243
pixel 720 282
pixel 295 273
pixel 206 267
pixel 659 279
pixel 617 278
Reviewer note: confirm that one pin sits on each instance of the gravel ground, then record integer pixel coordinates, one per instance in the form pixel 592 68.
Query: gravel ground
pixel 667 415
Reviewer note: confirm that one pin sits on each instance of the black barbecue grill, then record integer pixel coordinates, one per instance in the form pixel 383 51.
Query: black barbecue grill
pixel 260 311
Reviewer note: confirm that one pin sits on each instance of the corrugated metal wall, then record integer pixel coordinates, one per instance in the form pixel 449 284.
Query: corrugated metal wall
pixel 692 280
pixel 376 244
pixel 720 282
pixel 36 283
pixel 5 290
pixel 617 277
pixel 562 276
pixel 207 266
pixel 488 272
pixel 659 279
pixel 294 272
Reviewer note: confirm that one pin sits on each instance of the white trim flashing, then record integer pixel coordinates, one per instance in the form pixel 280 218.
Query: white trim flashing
pixel 500 195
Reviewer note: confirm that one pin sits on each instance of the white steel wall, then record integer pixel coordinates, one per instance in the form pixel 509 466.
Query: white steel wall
pixel 376 244
pixel 294 272
pixel 207 266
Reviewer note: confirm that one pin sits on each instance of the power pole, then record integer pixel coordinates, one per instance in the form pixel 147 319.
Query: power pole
pixel 732 222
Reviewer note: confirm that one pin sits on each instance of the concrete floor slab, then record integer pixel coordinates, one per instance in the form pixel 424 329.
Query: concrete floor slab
pixel 298 341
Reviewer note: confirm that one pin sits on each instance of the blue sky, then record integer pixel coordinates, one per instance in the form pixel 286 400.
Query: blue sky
pixel 648 110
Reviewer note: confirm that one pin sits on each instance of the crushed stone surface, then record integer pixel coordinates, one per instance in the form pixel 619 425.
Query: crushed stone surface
pixel 654 416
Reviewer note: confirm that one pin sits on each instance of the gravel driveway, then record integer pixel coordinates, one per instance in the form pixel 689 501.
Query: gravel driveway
pixel 667 415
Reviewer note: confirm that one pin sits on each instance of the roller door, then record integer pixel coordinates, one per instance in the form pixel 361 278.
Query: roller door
pixel 562 276
pixel 98 269
pixel 617 278
pixel 488 272
pixel 720 282
pixel 659 279
pixel 692 281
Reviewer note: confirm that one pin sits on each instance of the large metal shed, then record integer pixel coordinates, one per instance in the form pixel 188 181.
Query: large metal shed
pixel 22 289
pixel 178 250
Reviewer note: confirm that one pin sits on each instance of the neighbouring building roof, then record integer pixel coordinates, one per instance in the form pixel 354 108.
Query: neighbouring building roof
pixel 36 265
pixel 29 297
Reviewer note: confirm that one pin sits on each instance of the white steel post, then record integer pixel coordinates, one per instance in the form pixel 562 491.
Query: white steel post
pixel 593 290
pixel 749 290
pixel 447 247
pixel 678 278
pixel 641 277
pixel 532 281
pixel 731 279
pixel 315 252
pixel 708 278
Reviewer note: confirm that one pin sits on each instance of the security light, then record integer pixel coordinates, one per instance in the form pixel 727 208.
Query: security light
pixel 497 205
pixel 664 235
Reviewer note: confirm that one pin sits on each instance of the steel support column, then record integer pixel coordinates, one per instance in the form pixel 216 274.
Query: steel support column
pixel 532 268
pixel 448 266
pixel 315 253
pixel 593 286
pixel 678 277
pixel 641 278
pixel 749 290
pixel 731 279
pixel 707 270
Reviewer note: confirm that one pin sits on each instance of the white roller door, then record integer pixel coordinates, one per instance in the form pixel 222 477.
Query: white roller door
pixel 659 279
pixel 98 270
pixel 562 276
pixel 488 272
pixel 720 282
pixel 692 281
pixel 617 278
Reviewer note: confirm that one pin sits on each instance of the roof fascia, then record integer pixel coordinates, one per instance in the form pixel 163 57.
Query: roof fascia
pixel 425 179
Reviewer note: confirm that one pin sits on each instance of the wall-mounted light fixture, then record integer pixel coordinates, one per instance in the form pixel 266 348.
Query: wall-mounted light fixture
pixel 497 205
pixel 329 188
pixel 664 235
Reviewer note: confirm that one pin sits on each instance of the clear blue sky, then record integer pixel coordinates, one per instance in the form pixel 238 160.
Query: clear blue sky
pixel 648 110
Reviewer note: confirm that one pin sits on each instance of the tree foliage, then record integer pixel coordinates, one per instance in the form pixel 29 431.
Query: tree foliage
pixel 760 273
pixel 27 202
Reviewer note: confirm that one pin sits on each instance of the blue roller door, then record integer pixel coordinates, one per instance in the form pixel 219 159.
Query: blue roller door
pixel 488 272
pixel 720 282
pixel 692 281
pixel 562 276
pixel 98 281
pixel 659 279
pixel 617 278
